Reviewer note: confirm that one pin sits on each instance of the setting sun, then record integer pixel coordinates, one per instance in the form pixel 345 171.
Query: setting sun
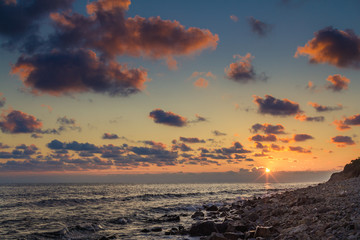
pixel 267 170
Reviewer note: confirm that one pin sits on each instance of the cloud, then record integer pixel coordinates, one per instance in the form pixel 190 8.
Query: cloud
pixel 157 145
pixel 218 133
pixel 303 118
pixel 342 141
pixel 110 136
pixel 234 18
pixel 65 72
pixel 20 18
pixel 242 70
pixel 201 83
pixel 74 145
pixel 333 46
pixel 198 119
pixel 264 138
pixel 276 107
pixel 322 108
pixel 235 148
pixel 259 27
pixel 347 122
pixel 19 122
pixel 135 36
pixel 299 149
pixel 192 140
pixel 338 82
pixel 302 137
pixel 67 123
pixel 182 147
pixel 268 128
pixel 167 118
pixel 201 78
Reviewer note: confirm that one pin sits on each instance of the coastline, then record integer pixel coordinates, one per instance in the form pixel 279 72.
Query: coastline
pixel 328 210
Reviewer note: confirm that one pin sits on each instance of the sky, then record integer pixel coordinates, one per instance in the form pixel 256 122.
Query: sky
pixel 125 88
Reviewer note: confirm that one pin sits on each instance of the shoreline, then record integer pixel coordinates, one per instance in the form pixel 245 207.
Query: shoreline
pixel 328 210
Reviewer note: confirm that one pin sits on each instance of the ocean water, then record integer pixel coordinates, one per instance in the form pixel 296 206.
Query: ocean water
pixel 121 211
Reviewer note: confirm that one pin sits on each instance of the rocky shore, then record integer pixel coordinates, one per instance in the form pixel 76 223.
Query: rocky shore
pixel 329 210
pixel 326 211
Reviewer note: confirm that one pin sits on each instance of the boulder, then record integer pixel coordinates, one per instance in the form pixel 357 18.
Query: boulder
pixel 203 228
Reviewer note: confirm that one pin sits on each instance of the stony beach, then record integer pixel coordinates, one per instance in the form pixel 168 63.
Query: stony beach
pixel 327 211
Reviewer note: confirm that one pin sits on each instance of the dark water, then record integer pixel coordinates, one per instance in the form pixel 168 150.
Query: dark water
pixel 90 211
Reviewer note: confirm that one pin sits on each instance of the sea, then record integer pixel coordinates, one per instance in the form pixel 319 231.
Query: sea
pixel 115 211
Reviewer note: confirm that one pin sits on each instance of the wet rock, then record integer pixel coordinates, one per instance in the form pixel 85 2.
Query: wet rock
pixel 198 215
pixel 212 208
pixel 145 230
pixel 203 228
pixel 156 229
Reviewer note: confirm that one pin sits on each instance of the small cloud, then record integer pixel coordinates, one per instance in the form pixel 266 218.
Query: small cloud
pixel 303 118
pixel 322 108
pixel 342 141
pixel 259 27
pixel 267 128
pixel 234 18
pixel 337 82
pixel 276 107
pixel 168 118
pixel 302 137
pixel 19 122
pixel 299 149
pixel 192 140
pixel 201 83
pixel 110 136
pixel 218 133
pixel 263 138
pixel 242 70
pixel 336 47
pixel 347 122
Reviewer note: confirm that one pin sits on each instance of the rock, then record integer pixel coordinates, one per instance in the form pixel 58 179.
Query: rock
pixel 203 228
pixel 145 230
pixel 198 215
pixel 156 229
pixel 263 231
pixel 221 227
pixel 216 236
pixel 212 208
pixel 236 226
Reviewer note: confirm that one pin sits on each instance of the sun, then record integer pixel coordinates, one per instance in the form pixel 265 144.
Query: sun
pixel 267 170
